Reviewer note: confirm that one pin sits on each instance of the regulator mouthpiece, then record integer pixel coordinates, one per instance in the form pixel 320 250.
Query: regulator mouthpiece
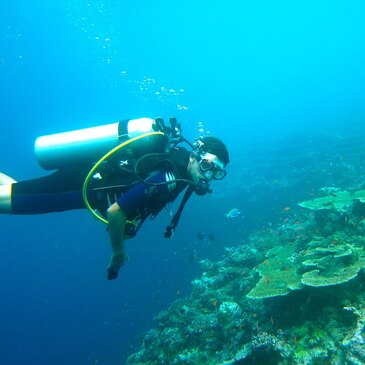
pixel 202 187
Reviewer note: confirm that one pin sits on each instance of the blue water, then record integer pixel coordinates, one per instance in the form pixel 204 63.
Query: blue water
pixel 252 73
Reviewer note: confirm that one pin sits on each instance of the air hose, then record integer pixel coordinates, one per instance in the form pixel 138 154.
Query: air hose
pixel 98 163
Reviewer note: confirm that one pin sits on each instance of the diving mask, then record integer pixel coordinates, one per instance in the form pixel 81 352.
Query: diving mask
pixel 211 166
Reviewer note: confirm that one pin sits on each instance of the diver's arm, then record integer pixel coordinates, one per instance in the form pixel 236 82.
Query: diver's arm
pixel 117 220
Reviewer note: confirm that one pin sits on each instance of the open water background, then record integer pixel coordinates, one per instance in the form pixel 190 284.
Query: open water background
pixel 281 82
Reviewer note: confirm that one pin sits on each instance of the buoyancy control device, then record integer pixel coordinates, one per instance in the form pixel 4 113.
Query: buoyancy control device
pixel 124 139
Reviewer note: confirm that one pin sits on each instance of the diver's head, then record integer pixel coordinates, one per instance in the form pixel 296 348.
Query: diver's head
pixel 207 163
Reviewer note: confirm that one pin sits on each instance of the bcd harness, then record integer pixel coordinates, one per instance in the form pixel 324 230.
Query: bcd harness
pixel 174 138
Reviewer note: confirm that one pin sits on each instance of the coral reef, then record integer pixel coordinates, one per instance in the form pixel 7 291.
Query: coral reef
pixel 330 261
pixel 299 302
pixel 338 200
pixel 279 273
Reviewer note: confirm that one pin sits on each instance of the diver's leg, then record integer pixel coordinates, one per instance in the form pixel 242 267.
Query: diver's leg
pixel 6 180
pixel 5 193
pixel 5 199
pixel 57 192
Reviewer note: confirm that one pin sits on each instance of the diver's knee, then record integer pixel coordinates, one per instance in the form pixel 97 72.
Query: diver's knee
pixel 5 199
pixel 114 209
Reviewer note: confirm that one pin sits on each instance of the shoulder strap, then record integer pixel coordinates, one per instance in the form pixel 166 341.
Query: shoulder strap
pixel 170 229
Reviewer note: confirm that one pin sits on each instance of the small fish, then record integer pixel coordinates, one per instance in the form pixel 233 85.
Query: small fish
pixel 200 236
pixel 193 256
pixel 233 213
pixel 204 236
pixel 286 209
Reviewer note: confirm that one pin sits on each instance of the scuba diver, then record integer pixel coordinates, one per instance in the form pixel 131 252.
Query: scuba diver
pixel 122 173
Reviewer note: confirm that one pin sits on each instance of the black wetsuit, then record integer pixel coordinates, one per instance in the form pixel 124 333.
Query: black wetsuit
pixel 62 190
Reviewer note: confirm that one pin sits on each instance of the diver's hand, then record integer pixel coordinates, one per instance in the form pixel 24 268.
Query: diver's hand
pixel 117 260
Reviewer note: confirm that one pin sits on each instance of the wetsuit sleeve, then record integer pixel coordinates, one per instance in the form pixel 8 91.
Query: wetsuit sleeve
pixel 142 198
